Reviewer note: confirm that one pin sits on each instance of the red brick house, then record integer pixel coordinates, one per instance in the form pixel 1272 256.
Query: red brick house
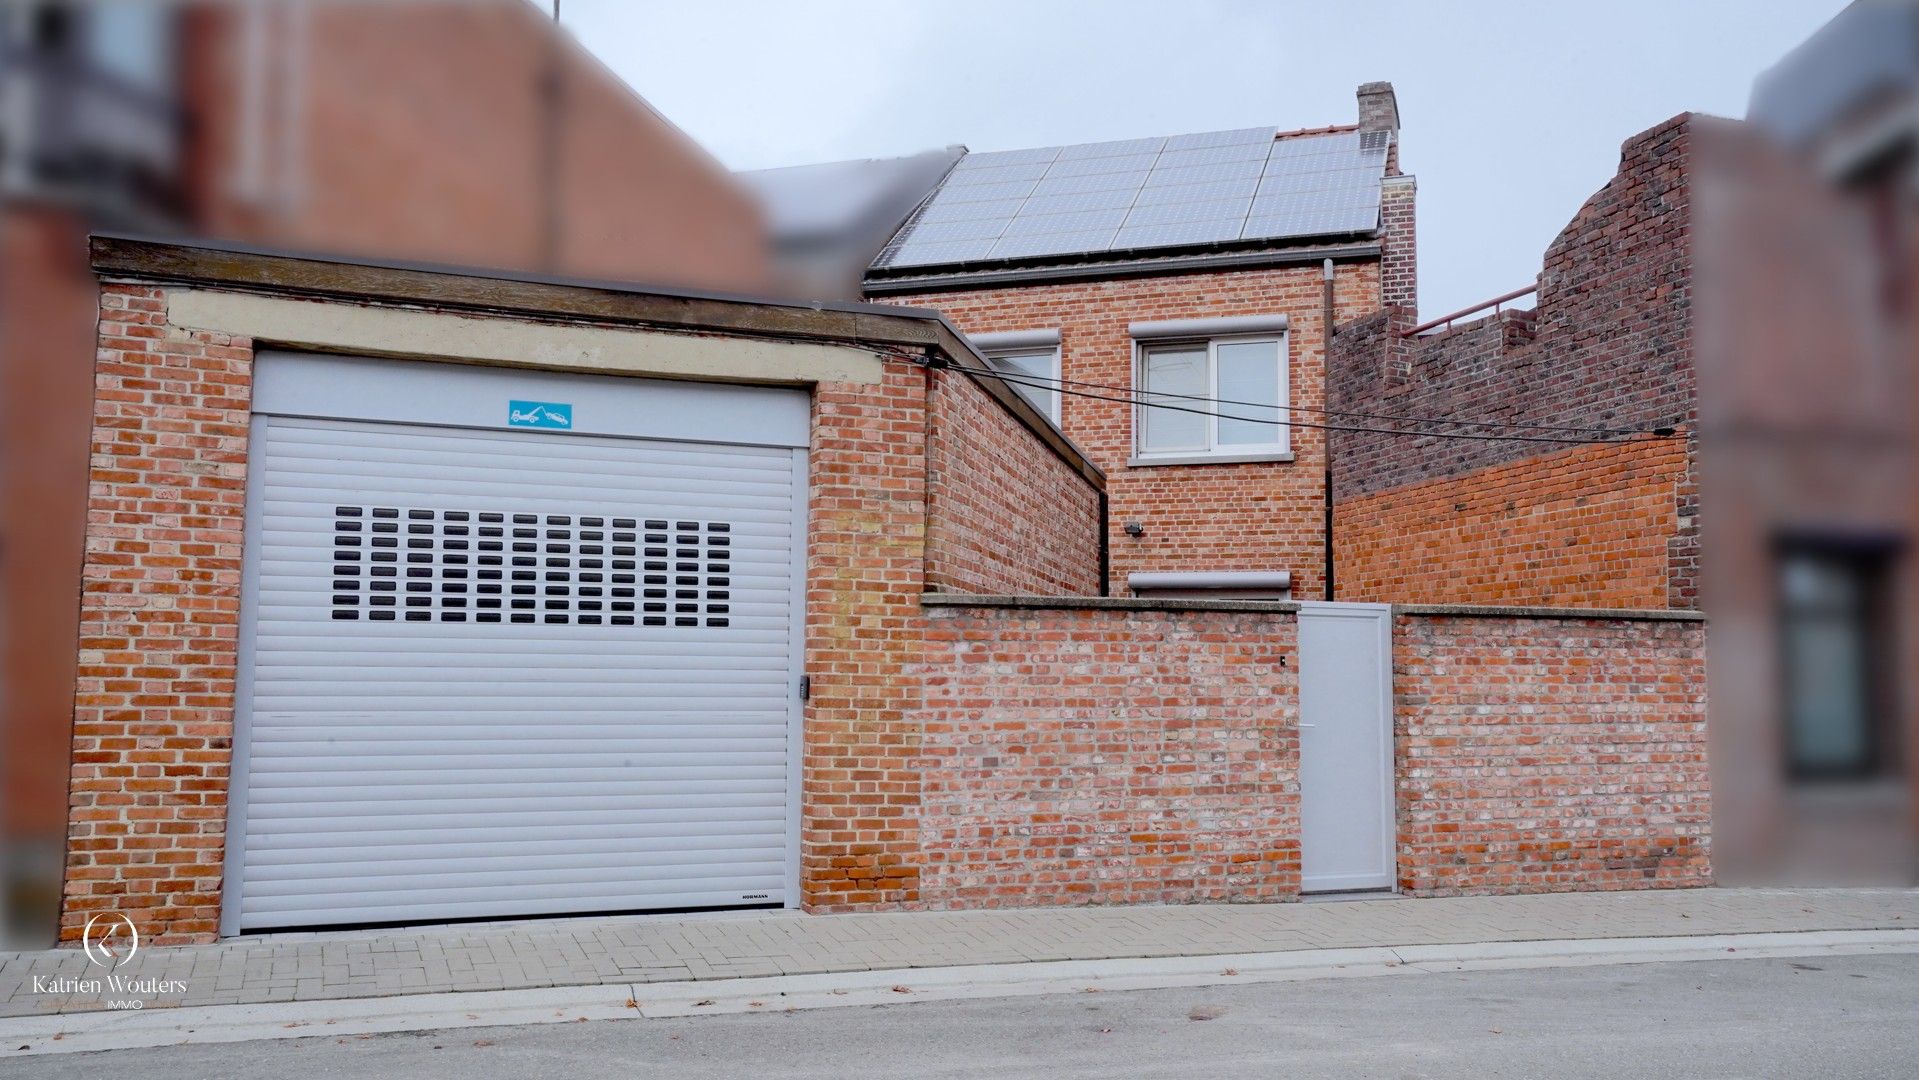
pixel 1205 265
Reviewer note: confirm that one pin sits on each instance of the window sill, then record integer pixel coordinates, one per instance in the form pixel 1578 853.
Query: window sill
pixel 1268 456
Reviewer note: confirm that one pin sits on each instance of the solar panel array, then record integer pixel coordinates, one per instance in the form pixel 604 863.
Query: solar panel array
pixel 1214 187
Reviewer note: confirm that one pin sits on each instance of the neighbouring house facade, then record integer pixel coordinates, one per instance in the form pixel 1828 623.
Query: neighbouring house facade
pixel 417 595
pixel 469 133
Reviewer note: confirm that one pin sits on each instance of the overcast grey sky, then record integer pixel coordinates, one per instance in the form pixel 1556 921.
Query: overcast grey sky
pixel 1512 112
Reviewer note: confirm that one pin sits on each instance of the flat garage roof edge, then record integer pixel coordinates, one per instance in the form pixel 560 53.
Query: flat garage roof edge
pixel 478 289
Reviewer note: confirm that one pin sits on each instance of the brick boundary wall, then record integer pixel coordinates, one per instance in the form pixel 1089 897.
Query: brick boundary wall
pixel 1108 756
pixel 1052 750
pixel 1003 515
pixel 1550 754
pixel 1588 526
pixel 1609 343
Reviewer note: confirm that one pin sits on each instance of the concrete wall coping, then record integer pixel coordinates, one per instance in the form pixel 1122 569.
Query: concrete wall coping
pixel 1103 603
pixel 1497 611
pixel 1282 607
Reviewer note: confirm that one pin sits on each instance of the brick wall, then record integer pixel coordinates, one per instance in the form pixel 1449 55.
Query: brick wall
pixel 951 757
pixel 1609 344
pixel 1108 756
pixel 1229 516
pixel 1004 514
pixel 865 568
pixel 1584 527
pixel 160 610
pixel 1539 755
pixel 1399 243
pixel 159 618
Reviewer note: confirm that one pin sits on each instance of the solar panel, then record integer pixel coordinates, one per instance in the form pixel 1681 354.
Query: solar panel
pixel 1073 185
pixel 1233 210
pixel 1111 149
pixel 1082 221
pixel 1200 140
pixel 1064 243
pixel 1117 198
pixel 941 209
pixel 1112 164
pixel 943 231
pixel 991 158
pixel 998 174
pixel 1154 194
pixel 1177 234
pixel 983 192
pixel 1199 174
pixel 1212 155
pixel 1204 188
pixel 918 254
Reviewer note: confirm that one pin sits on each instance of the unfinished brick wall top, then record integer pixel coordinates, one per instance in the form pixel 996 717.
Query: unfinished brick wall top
pixel 1102 756
pixel 1005 514
pixel 1608 345
pixel 1541 754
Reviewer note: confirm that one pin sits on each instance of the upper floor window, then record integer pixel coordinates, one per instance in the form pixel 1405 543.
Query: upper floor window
pixel 1032 358
pixel 1217 397
pixel 1039 367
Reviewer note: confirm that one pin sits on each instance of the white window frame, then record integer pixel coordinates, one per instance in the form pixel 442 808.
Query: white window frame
pixel 998 357
pixel 1280 449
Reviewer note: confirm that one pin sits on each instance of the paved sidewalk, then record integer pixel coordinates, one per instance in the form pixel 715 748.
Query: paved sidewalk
pixel 644 949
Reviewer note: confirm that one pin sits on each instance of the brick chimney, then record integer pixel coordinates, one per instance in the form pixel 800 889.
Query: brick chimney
pixel 1378 107
pixel 1398 243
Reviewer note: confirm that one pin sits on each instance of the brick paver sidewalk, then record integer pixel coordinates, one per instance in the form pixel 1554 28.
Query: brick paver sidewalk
pixel 636 949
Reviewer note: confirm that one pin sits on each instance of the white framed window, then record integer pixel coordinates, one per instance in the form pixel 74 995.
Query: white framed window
pixel 1225 398
pixel 1031 356
pixel 1038 365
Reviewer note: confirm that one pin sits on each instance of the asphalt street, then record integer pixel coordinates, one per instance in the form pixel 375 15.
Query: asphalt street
pixel 1831 1017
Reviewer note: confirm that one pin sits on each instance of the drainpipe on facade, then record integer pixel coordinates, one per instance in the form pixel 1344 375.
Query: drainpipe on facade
pixel 1326 355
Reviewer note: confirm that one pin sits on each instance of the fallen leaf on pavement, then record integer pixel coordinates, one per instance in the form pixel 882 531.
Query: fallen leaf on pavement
pixel 1230 971
pixel 902 989
pixel 703 1001
pixel 1206 1012
pixel 483 1042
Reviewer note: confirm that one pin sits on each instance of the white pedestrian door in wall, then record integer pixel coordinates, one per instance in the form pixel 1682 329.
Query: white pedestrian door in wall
pixel 531 666
pixel 1345 747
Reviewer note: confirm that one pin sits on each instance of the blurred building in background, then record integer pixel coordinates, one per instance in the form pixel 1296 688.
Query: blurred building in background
pixel 1806 236
pixel 451 132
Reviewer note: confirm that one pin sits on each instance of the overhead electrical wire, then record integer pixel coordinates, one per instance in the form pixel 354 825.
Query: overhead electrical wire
pixel 1132 399
pixel 1063 382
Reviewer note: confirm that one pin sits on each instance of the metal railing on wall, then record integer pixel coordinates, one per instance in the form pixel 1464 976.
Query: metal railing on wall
pixel 1445 322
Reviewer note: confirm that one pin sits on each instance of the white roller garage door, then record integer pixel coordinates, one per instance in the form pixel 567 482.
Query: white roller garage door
pixel 491 672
